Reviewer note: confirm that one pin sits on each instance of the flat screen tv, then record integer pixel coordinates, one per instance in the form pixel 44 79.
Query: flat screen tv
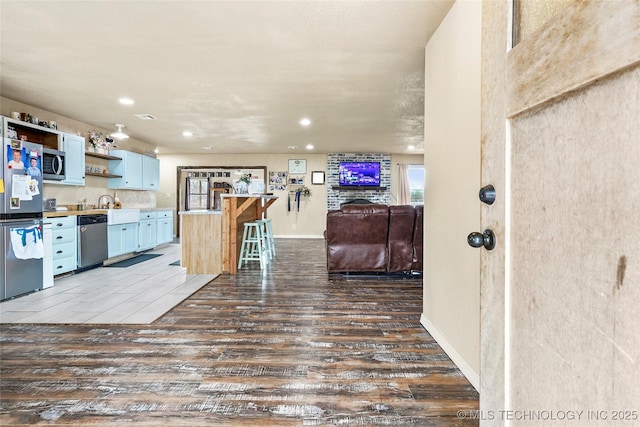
pixel 359 174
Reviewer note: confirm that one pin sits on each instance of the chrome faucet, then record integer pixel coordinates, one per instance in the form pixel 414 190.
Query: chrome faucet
pixel 100 206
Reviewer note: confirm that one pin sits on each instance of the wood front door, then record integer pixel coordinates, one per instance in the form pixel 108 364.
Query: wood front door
pixel 561 145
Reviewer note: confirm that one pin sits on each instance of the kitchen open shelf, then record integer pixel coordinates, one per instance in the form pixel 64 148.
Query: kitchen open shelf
pixel 102 156
pixel 103 175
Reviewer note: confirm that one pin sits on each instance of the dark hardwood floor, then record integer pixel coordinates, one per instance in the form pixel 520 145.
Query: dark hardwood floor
pixel 293 346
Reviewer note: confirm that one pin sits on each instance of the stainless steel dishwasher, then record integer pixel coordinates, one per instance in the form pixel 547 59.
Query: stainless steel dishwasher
pixel 92 241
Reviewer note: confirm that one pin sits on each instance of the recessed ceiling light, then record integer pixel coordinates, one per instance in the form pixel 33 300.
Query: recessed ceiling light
pixel 305 122
pixel 187 133
pixel 411 147
pixel 309 147
pixel 126 101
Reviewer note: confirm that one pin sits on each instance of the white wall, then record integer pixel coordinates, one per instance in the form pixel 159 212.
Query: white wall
pixel 451 310
pixel 309 221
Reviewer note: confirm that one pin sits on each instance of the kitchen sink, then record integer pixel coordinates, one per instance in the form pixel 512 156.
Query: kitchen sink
pixel 122 216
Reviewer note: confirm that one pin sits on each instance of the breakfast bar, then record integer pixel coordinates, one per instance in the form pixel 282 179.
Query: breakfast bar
pixel 211 239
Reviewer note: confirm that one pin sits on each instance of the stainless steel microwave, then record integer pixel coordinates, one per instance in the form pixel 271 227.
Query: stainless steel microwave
pixel 53 164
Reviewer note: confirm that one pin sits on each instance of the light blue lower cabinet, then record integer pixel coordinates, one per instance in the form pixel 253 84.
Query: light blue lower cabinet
pixel 165 226
pixel 165 231
pixel 65 244
pixel 122 239
pixel 155 228
pixel 147 234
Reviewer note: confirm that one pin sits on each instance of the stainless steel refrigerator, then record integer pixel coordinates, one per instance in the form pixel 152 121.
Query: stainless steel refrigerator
pixel 197 195
pixel 21 245
pixel 202 191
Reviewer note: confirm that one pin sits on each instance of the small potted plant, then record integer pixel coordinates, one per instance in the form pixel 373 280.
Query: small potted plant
pixel 241 186
pixel 245 177
pixel 99 143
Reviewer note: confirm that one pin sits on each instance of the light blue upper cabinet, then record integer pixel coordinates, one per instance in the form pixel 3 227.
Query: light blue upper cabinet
pixel 73 147
pixel 150 173
pixel 129 168
pixel 138 172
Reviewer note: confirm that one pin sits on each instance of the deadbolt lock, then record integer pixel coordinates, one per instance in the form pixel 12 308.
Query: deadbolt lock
pixel 487 194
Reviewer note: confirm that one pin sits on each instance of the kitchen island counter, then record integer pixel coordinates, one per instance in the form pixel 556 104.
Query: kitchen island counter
pixel 211 239
pixel 201 241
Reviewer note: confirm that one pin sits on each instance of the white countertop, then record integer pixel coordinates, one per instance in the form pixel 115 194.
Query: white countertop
pixel 201 212
pixel 261 196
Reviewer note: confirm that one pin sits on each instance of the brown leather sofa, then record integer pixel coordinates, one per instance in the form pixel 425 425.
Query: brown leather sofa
pixel 373 238
pixel 418 236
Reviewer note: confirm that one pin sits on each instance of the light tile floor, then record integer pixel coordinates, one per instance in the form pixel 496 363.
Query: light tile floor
pixel 138 294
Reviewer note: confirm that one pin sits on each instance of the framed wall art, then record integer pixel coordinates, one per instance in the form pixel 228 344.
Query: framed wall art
pixel 317 177
pixel 298 166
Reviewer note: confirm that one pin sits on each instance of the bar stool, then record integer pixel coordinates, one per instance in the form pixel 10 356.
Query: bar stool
pixel 267 232
pixel 252 248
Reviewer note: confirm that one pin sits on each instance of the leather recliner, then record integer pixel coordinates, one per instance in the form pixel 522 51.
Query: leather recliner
pixel 418 237
pixel 356 238
pixel 373 238
pixel 401 226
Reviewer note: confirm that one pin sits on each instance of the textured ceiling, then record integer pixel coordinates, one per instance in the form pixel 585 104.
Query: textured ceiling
pixel 238 74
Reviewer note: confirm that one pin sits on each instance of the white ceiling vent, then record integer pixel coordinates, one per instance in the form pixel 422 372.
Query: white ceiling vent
pixel 146 117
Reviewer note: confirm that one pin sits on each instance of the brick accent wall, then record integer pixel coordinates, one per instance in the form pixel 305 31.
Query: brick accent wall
pixel 335 196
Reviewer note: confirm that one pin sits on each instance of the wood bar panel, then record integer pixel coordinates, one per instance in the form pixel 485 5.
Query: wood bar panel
pixel 201 240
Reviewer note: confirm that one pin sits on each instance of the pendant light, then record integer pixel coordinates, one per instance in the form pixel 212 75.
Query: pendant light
pixel 119 134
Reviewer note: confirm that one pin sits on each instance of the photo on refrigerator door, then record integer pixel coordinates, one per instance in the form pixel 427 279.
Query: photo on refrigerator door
pixel 24 188
pixel 16 156
pixel 34 168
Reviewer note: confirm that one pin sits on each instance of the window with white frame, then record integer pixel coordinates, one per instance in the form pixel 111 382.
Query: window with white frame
pixel 416 184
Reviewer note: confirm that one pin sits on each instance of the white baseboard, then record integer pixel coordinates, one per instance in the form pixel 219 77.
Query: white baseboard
pixel 291 236
pixel 471 374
